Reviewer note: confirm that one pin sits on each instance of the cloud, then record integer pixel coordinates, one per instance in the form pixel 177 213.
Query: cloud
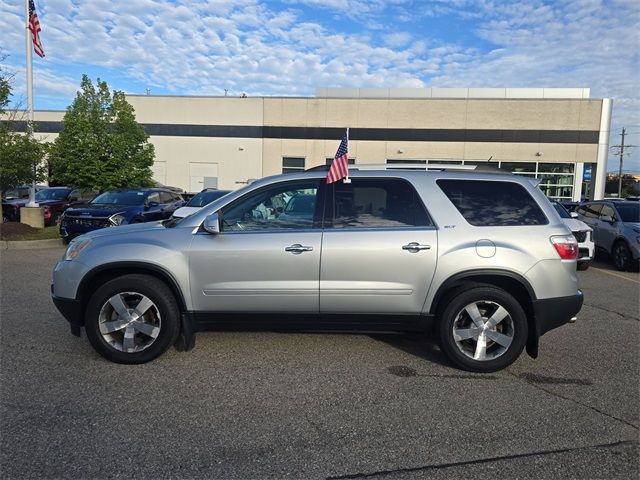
pixel 204 47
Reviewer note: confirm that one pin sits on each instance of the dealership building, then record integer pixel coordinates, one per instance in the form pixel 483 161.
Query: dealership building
pixel 559 135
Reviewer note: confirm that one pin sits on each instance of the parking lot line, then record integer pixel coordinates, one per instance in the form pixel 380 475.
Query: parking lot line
pixel 615 274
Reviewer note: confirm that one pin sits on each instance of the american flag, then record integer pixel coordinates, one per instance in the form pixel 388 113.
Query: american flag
pixel 34 28
pixel 340 166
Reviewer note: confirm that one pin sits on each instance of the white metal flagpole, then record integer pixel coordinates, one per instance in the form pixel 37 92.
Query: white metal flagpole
pixel 29 45
pixel 347 179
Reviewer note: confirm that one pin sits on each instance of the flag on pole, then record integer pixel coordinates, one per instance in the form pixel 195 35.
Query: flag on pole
pixel 34 28
pixel 340 166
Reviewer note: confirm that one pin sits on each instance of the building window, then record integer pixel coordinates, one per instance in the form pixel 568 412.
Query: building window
pixel 328 161
pixel 556 179
pixel 292 164
pixel 419 164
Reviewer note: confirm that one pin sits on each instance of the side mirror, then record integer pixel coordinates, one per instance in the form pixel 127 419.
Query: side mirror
pixel 149 205
pixel 573 214
pixel 212 224
pixel 607 218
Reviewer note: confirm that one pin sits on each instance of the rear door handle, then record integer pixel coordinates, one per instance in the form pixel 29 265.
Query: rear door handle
pixel 296 248
pixel 415 247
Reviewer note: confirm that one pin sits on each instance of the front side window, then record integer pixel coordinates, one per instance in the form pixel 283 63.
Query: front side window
pixel 279 207
pixel 377 203
pixel 493 204
pixel 607 211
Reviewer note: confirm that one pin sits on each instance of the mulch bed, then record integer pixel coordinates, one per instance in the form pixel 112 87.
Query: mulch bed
pixel 13 229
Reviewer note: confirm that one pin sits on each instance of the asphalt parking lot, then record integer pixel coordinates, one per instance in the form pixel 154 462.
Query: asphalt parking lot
pixel 337 406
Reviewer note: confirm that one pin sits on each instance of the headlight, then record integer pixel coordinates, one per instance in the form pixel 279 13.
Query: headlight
pixel 116 219
pixel 75 248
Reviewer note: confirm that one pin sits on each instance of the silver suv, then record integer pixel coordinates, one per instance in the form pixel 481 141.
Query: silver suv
pixel 481 259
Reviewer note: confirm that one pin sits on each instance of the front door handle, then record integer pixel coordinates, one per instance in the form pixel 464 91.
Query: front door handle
pixel 296 248
pixel 415 247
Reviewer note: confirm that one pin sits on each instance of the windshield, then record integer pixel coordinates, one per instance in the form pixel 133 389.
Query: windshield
pixel 205 198
pixel 52 194
pixel 129 197
pixel 629 212
pixel 560 209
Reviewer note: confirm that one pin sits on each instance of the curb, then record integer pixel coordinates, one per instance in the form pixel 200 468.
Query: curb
pixel 31 244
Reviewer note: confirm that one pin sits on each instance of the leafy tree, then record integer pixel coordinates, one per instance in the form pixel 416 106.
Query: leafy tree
pixel 20 155
pixel 101 146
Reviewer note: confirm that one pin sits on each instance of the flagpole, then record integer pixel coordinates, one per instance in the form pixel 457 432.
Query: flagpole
pixel 347 179
pixel 29 45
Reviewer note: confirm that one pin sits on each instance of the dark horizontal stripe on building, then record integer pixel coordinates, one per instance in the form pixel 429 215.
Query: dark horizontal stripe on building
pixel 372 134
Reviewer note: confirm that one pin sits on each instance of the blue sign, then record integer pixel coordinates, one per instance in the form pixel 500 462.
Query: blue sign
pixel 586 176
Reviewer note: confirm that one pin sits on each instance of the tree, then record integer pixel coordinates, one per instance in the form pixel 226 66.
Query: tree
pixel 101 146
pixel 20 154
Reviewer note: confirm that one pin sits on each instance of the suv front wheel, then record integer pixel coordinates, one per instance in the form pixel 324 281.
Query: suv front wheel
pixel 483 329
pixel 132 319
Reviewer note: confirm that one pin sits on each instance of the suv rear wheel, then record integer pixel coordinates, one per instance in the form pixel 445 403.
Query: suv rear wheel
pixel 132 319
pixel 621 256
pixel 483 329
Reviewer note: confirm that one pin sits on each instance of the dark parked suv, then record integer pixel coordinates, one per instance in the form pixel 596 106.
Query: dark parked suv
pixel 55 201
pixel 616 230
pixel 119 207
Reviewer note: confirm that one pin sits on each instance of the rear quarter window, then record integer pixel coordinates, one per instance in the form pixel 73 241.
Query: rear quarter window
pixel 493 203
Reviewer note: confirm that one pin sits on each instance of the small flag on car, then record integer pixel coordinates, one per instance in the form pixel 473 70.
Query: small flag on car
pixel 340 165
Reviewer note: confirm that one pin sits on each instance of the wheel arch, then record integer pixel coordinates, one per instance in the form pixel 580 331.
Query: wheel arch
pixel 513 283
pixel 102 274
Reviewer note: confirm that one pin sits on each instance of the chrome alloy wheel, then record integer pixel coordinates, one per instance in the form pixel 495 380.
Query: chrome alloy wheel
pixel 129 322
pixel 483 330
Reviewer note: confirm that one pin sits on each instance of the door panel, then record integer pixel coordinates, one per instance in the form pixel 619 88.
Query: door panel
pixel 252 272
pixel 368 271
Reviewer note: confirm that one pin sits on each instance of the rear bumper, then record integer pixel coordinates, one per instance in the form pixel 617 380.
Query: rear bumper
pixel 553 312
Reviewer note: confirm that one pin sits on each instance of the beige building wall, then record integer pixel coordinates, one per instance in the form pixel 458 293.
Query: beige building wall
pixel 193 131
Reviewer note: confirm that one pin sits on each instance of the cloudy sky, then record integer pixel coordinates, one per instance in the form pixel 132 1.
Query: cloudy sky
pixel 289 47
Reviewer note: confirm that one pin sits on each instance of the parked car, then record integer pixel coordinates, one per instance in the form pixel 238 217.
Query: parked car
pixel 582 232
pixel 119 207
pixel 55 201
pixel 483 259
pixel 616 230
pixel 205 197
pixel 21 191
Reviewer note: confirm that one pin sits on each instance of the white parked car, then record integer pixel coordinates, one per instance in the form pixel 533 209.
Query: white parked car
pixel 205 197
pixel 582 232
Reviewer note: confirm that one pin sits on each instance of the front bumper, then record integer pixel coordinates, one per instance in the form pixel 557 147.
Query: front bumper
pixel 551 313
pixel 70 309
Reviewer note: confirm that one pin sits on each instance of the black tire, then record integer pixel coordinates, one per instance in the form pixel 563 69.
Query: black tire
pixel 582 266
pixel 622 258
pixel 163 316
pixel 487 300
pixel 55 220
pixel 67 240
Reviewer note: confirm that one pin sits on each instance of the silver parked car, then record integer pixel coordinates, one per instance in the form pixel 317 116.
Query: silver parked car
pixel 616 229
pixel 481 259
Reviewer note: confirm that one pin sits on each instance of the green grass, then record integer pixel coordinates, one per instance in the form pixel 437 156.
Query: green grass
pixel 46 233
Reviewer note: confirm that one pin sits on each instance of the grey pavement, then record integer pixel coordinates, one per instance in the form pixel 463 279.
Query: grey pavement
pixel 316 405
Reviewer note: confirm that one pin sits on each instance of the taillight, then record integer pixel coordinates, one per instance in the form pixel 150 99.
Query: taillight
pixel 566 246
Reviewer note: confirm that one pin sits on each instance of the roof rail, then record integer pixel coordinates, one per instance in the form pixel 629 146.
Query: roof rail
pixel 416 166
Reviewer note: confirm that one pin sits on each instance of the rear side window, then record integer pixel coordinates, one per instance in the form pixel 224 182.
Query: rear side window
pixel 589 210
pixel 493 204
pixel 377 203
